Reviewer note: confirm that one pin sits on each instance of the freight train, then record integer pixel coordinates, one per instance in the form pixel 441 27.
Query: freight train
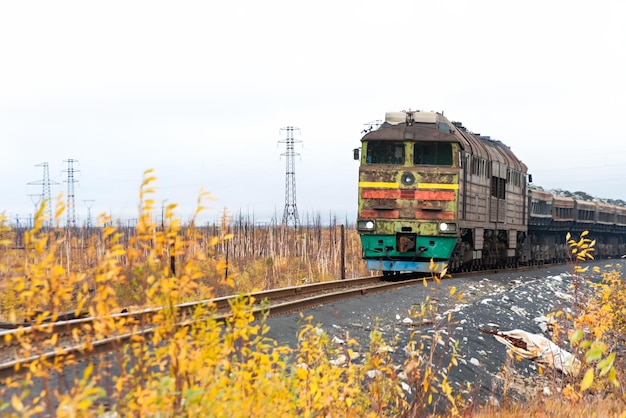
pixel 432 191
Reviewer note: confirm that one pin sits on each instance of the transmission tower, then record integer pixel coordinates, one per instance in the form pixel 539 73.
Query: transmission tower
pixel 290 214
pixel 36 199
pixel 89 204
pixel 71 207
pixel 46 197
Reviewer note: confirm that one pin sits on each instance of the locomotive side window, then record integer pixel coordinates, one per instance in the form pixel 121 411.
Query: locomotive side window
pixel 513 177
pixel 498 187
pixel 385 152
pixel 475 165
pixel 479 167
pixel 432 153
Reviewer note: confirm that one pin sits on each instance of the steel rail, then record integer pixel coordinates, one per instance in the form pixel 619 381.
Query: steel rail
pixel 281 301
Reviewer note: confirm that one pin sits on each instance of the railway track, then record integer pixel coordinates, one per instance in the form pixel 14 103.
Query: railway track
pixel 25 344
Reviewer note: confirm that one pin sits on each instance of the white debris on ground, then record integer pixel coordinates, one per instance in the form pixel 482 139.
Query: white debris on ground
pixel 458 307
pixel 385 349
pixel 406 387
pixel 545 323
pixel 337 340
pixel 563 296
pixel 519 311
pixel 373 374
pixel 340 360
pixel 538 348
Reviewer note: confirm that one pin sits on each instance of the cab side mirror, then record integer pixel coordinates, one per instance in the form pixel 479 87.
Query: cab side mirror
pixel 357 153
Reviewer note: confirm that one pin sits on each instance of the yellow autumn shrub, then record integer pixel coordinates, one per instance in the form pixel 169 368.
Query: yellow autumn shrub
pixel 203 368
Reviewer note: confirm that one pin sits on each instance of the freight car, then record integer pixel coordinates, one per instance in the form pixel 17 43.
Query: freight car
pixel 552 217
pixel 429 189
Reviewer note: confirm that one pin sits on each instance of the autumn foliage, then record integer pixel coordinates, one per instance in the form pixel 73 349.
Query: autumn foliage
pixel 232 368
pixel 204 368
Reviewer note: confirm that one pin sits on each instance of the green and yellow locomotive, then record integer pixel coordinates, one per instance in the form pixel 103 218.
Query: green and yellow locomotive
pixel 431 190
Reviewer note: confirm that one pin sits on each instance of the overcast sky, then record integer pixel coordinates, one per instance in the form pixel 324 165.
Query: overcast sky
pixel 199 92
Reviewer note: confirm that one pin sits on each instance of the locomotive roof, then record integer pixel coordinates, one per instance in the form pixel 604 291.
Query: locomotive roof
pixel 434 126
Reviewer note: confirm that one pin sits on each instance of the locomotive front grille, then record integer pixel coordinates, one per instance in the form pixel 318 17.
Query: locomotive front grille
pixel 406 242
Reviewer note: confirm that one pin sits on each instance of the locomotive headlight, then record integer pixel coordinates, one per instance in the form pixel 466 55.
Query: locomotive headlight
pixel 365 225
pixel 407 179
pixel 446 227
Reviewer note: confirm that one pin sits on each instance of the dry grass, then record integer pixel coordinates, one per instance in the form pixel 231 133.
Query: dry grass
pixel 556 407
pixel 236 257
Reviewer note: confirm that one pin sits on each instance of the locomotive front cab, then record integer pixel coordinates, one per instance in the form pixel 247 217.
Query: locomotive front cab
pixel 408 193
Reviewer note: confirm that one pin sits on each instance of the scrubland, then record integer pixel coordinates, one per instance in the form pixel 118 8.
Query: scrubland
pixel 233 369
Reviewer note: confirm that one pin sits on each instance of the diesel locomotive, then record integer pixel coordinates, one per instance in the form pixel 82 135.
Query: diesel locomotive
pixel 431 190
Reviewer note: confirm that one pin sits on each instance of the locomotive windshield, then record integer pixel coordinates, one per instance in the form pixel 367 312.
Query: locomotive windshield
pixel 432 153
pixel 385 152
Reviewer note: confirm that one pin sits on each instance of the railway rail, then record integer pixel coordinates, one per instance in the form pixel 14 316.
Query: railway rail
pixel 73 336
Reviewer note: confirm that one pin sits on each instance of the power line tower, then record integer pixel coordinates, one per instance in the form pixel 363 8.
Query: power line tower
pixel 89 204
pixel 46 197
pixel 71 206
pixel 290 213
pixel 36 199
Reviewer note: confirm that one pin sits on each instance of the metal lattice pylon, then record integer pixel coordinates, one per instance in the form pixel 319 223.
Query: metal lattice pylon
pixel 71 201
pixel 89 204
pixel 290 213
pixel 46 197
